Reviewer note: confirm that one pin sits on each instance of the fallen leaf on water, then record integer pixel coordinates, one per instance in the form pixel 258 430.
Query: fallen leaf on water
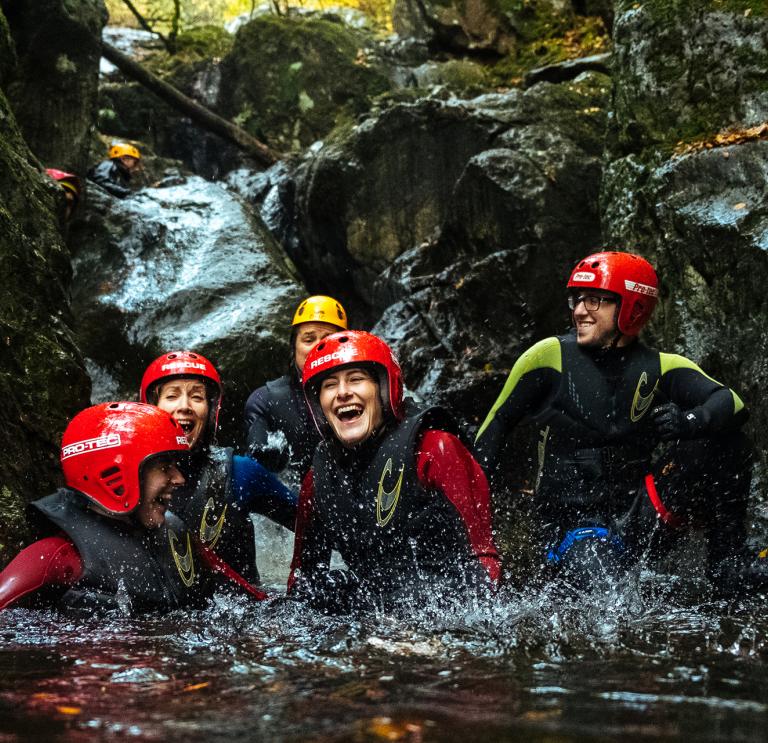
pixel 68 710
pixel 740 205
pixel 195 687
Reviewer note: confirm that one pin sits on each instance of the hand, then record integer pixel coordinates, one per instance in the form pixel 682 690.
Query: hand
pixel 673 423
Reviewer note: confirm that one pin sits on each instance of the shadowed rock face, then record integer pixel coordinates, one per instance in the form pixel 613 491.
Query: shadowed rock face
pixel 54 88
pixel 42 379
pixel 685 71
pixel 448 221
pixel 182 266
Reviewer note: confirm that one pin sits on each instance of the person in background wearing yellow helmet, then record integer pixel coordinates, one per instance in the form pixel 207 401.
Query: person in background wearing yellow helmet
pixel 71 186
pixel 114 174
pixel 278 425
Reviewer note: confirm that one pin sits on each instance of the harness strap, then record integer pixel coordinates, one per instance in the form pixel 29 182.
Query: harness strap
pixel 666 516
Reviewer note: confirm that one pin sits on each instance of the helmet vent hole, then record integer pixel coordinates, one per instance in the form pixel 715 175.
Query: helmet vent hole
pixel 112 478
pixel 114 406
pixel 192 355
pixel 172 355
pixel 343 339
pixel 321 347
pixel 595 264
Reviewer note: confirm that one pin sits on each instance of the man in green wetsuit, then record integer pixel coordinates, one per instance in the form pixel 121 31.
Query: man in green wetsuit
pixel 603 402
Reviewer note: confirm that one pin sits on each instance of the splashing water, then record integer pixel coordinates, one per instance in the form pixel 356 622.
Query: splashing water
pixel 621 660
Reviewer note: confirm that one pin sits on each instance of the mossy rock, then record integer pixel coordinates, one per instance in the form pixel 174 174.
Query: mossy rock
pixel 685 70
pixel 289 81
pixel 42 379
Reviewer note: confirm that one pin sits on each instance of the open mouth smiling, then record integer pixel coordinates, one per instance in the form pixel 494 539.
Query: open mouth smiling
pixel 348 413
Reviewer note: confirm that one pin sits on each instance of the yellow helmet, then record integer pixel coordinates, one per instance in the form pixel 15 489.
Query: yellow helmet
pixel 122 149
pixel 320 308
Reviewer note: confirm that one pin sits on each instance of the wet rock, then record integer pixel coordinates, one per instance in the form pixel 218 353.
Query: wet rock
pixel 685 70
pixel 446 219
pixel 702 218
pixel 54 88
pixel 477 24
pixel 289 81
pixel 185 266
pixel 568 70
pixel 42 379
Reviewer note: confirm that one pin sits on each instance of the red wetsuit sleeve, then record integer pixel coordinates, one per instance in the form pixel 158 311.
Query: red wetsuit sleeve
pixel 217 565
pixel 303 519
pixel 443 463
pixel 51 561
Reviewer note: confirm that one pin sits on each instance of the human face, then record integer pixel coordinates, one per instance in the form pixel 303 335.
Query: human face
pixel 129 163
pixel 597 328
pixel 159 480
pixel 351 404
pixel 187 401
pixel 308 335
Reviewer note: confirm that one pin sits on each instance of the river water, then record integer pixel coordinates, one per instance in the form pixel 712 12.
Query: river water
pixel 646 660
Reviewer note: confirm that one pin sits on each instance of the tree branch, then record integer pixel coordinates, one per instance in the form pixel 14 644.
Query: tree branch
pixel 197 112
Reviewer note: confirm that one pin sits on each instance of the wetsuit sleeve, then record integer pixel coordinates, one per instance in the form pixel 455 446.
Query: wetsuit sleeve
pixel 266 447
pixel 311 550
pixel 257 490
pixel 532 380
pixel 444 464
pixel 717 407
pixel 51 561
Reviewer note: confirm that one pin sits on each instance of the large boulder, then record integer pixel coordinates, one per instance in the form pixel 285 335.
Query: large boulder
pixel 521 212
pixel 42 379
pixel 289 81
pixel 690 199
pixel 184 265
pixel 445 220
pixel 54 88
pixel 685 69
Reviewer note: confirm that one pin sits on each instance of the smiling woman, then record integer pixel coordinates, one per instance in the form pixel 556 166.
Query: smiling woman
pixel 222 489
pixel 391 488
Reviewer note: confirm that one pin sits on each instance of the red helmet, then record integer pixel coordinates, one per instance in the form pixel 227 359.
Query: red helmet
pixel 68 181
pixel 625 274
pixel 177 364
pixel 353 348
pixel 105 447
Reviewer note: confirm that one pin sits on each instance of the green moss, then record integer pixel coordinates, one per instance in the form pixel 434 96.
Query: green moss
pixel 197 45
pixel 587 36
pixel 311 74
pixel 671 11
pixel 534 19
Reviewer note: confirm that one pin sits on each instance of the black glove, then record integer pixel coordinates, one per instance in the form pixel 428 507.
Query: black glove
pixel 673 423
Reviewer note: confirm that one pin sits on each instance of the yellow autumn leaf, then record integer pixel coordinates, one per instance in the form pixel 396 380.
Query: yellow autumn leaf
pixel 68 710
pixel 195 687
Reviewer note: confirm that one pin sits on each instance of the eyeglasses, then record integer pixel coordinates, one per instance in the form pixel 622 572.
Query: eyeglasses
pixel 592 302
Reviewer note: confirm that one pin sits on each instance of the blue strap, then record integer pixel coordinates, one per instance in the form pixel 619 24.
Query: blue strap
pixel 584 532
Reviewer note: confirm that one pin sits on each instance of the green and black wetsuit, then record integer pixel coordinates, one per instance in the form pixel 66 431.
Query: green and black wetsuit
pixel 597 435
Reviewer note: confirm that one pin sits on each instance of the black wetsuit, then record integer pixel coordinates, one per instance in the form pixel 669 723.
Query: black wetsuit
pixel 125 565
pixel 594 409
pixel 216 502
pixel 399 530
pixel 112 177
pixel 279 426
